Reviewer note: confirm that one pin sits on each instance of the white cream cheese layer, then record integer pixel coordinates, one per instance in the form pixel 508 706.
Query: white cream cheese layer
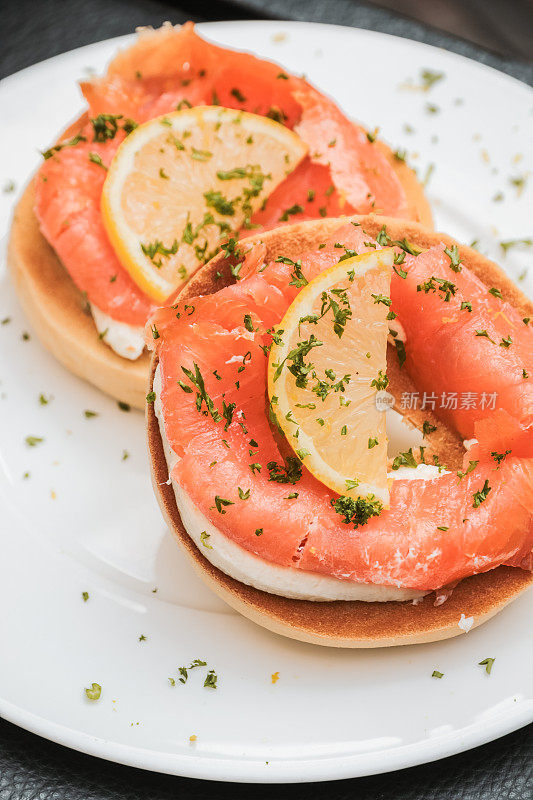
pixel 126 340
pixel 248 568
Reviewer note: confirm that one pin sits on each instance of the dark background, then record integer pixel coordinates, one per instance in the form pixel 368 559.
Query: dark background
pixel 32 30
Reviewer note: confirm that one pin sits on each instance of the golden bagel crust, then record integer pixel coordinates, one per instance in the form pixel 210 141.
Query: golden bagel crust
pixel 349 623
pixel 57 308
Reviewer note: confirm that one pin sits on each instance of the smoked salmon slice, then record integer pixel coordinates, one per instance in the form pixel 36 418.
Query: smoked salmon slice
pixel 173 68
pixel 213 354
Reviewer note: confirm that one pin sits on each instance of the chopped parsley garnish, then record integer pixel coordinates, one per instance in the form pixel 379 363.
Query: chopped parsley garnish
pixel 90 414
pixel 485 335
pixel 455 258
pixel 466 305
pixel 221 503
pixel 184 671
pixel 96 159
pixel 238 95
pixel 220 203
pixel 33 441
pixel 56 148
pixel 506 341
pixel 105 126
pixel 495 292
pixel 499 457
pixel 380 298
pixel 481 495
pixel 204 537
pixel 289 472
pixel 515 243
pixel 294 209
pixel 433 284
pixel 152 249
pixel 211 679
pixel 243 495
pixel 297 277
pixel 277 114
pixel 383 237
pixel 200 155
pixel 429 78
pixel 85 596
pixel 407 246
pixel 487 663
pixel 372 443
pixel 406 459
pixel 94 692
pixel 258 531
pixel 400 351
pixel 150 397
pixel 437 674
pixel 381 382
pixel 471 466
pixel 357 511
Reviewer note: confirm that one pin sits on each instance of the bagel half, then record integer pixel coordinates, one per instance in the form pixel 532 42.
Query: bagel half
pixel 349 623
pixel 57 308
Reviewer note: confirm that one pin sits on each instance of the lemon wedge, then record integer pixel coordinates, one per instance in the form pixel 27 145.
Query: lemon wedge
pixel 327 365
pixel 181 183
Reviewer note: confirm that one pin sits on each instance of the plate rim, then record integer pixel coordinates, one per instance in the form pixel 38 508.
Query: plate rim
pixel 299 770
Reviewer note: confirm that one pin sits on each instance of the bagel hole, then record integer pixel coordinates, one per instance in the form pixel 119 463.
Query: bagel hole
pixel 402 435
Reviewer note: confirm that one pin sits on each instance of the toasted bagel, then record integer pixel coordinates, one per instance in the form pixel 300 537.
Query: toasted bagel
pixel 58 309
pixel 349 623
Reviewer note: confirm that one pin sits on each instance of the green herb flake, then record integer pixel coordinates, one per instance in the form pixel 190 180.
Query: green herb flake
pixel 221 504
pixel 211 680
pixel 429 78
pixel 481 495
pixel 485 335
pixel 33 441
pixel 204 536
pixel 294 209
pixel 94 692
pixel 487 663
pixel 428 428
pixel 357 511
pixel 96 159
pixel 200 155
pixel 455 258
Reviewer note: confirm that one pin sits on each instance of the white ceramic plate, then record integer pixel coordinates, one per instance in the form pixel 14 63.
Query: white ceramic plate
pixel 85 519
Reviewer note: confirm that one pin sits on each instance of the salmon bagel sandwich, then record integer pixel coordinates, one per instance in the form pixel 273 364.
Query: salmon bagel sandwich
pixel 184 145
pixel 340 431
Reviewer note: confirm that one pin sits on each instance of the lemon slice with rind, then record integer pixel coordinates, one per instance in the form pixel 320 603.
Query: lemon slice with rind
pixel 180 184
pixel 326 366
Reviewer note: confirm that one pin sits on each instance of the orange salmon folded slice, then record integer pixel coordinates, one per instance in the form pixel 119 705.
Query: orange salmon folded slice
pixel 174 68
pixel 233 463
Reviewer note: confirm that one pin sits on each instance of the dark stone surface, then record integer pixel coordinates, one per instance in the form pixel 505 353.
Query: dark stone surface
pixel 34 769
